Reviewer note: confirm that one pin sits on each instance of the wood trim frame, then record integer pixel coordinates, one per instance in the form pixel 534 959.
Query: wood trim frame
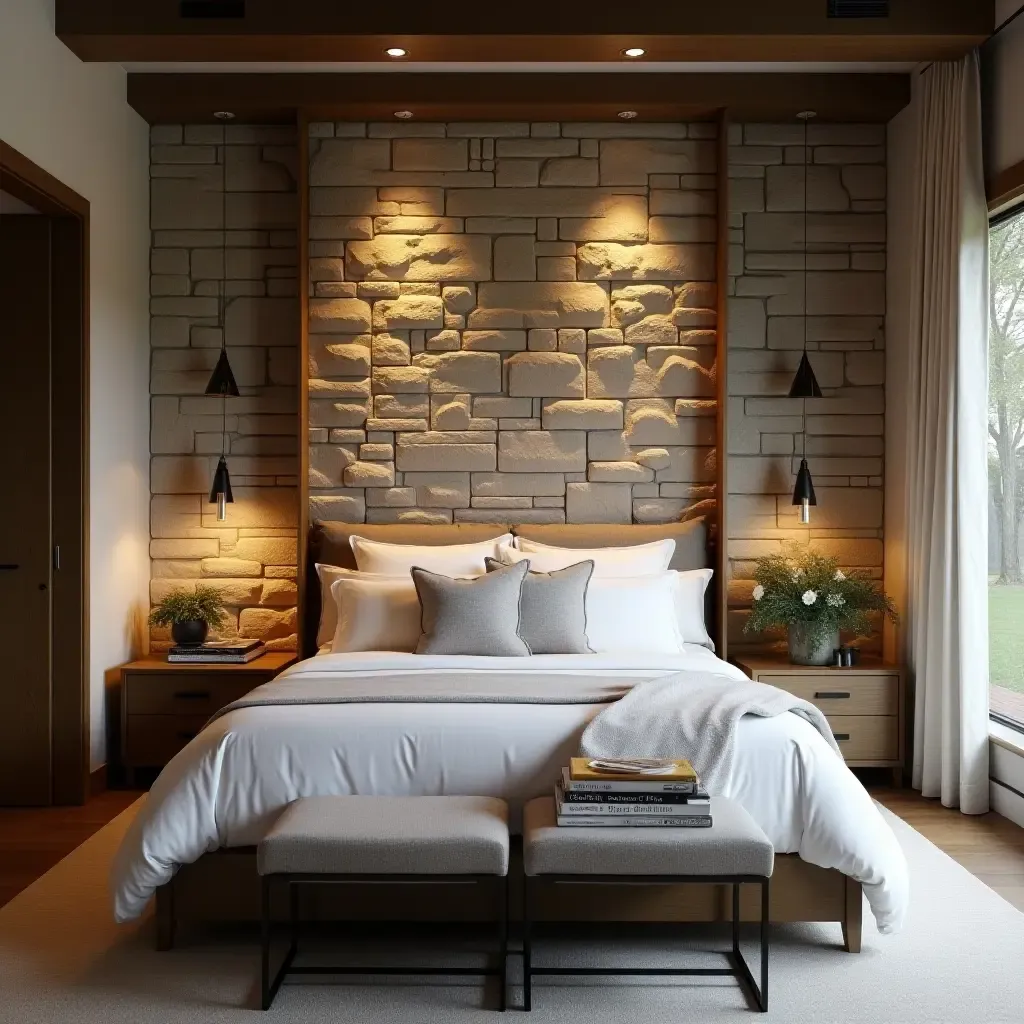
pixel 722 392
pixel 303 566
pixel 69 213
pixel 1006 188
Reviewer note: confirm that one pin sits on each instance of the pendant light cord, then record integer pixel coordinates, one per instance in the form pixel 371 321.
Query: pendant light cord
pixel 803 401
pixel 222 291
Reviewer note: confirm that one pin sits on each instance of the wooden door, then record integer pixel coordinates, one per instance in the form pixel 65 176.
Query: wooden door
pixel 25 511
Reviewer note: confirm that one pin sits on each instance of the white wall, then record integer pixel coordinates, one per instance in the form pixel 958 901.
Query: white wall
pixel 72 120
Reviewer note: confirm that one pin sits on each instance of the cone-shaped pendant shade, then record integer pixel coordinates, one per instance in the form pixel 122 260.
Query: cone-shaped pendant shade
pixel 221 483
pixel 805 384
pixel 804 490
pixel 222 382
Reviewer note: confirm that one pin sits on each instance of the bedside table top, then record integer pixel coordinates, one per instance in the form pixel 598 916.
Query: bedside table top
pixel 769 663
pixel 272 661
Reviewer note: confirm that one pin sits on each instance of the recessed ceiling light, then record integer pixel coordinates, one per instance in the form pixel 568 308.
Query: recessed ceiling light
pixel 403 114
pixel 395 51
pixel 633 51
pixel 627 115
pixel 224 115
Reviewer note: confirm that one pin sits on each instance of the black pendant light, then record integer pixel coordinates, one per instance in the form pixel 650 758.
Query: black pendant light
pixel 805 384
pixel 222 381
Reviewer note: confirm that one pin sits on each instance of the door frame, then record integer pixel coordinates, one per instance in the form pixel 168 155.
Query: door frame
pixel 69 376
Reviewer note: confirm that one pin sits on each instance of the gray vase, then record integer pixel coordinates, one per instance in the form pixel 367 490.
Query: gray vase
pixel 802 652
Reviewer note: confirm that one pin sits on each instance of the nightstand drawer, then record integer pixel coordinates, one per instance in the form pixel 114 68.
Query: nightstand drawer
pixel 867 737
pixel 191 693
pixel 839 693
pixel 152 740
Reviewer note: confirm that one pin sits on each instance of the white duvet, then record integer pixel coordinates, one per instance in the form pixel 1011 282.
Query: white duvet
pixel 230 783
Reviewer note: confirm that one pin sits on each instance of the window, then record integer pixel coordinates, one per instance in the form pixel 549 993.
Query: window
pixel 1006 470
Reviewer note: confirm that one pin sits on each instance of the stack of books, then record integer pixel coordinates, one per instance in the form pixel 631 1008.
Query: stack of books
pixel 641 792
pixel 218 652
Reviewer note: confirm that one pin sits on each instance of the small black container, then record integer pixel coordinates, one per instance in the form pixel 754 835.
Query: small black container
pixel 190 634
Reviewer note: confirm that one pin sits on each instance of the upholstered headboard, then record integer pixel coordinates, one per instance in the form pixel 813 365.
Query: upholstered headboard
pixel 329 543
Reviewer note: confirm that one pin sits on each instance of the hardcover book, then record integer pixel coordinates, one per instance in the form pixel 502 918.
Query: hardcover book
pixel 586 769
pixel 633 821
pixel 610 785
pixel 695 810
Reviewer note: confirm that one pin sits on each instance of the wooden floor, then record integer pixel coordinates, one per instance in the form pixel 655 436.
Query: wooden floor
pixel 32 840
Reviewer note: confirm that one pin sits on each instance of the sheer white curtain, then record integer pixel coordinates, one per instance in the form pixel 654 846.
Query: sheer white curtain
pixel 947 441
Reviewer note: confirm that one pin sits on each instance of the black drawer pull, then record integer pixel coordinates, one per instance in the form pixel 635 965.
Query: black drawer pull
pixel 9 567
pixel 192 695
pixel 186 735
pixel 832 695
pixel 840 736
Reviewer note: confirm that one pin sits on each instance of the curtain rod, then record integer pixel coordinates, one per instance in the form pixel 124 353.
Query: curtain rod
pixel 1006 24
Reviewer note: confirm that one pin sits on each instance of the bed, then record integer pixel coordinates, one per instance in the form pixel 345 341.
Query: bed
pixel 404 724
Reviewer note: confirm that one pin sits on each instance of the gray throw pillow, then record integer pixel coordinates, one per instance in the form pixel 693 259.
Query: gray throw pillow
pixel 554 615
pixel 478 616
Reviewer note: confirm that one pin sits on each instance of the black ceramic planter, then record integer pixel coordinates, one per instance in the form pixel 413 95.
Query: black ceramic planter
pixel 190 634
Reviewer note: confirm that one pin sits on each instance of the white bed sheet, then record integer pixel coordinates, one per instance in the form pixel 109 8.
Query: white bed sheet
pixel 230 783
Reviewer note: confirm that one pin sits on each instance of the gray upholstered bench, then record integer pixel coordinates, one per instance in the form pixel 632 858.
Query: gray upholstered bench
pixel 732 851
pixel 353 839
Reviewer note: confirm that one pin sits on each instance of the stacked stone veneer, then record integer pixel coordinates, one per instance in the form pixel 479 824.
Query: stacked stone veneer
pixel 251 557
pixel 511 322
pixel 844 306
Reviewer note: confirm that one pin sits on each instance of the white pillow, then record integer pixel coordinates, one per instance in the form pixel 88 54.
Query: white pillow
pixel 638 560
pixel 375 613
pixel 627 614
pixel 691 586
pixel 385 559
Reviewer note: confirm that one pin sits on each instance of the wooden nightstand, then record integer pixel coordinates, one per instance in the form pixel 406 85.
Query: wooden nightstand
pixel 163 705
pixel 864 705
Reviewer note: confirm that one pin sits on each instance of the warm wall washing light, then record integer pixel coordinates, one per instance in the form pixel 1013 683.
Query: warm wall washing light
pixel 395 51
pixel 627 115
pixel 633 51
pixel 403 114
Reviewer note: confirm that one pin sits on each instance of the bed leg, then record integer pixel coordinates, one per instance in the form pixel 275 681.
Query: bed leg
pixel 853 916
pixel 165 917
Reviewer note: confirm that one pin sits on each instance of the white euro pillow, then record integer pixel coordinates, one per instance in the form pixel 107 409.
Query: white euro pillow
pixel 633 614
pixel 637 560
pixel 375 613
pixel 691 586
pixel 384 559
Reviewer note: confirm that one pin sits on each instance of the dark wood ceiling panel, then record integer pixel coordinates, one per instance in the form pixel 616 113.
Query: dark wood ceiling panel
pixel 327 30
pixel 273 98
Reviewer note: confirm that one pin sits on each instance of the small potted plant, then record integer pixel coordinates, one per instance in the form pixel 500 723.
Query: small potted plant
pixel 814 599
pixel 190 614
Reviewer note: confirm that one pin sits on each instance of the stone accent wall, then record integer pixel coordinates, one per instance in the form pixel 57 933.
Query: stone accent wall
pixel 250 558
pixel 845 308
pixel 512 322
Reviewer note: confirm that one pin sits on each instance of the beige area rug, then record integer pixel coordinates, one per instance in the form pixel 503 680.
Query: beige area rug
pixel 63 961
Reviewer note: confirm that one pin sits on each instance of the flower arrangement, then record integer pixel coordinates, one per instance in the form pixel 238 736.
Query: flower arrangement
pixel 810 594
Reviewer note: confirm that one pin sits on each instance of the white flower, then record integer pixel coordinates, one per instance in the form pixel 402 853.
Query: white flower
pixel 839 576
pixel 758 592
pixel 809 597
pixel 797 573
pixel 835 600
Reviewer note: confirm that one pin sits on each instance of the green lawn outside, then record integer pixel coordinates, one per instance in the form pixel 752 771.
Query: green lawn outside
pixel 1006 637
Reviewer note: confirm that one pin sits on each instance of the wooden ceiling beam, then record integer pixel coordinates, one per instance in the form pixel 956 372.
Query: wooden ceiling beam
pixel 278 98
pixel 128 31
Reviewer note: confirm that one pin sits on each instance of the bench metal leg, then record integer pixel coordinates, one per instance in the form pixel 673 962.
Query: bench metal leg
pixel 503 944
pixel 527 939
pixel 759 992
pixel 269 987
